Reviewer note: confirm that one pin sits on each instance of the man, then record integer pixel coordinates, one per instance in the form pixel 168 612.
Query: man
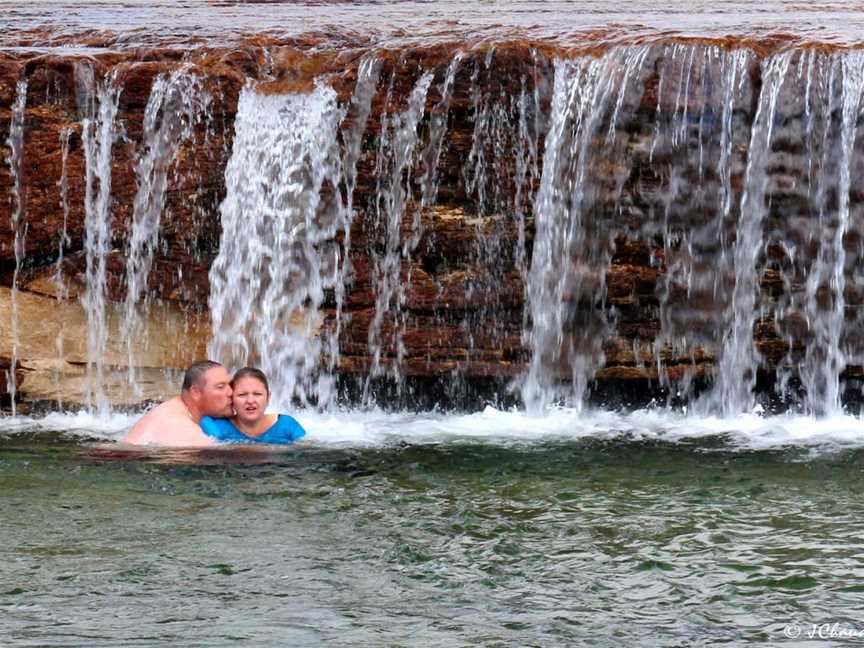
pixel 206 392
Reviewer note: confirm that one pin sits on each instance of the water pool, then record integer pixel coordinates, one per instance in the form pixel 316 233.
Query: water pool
pixel 433 530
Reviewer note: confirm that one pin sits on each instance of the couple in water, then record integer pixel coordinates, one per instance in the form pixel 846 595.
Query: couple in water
pixel 213 407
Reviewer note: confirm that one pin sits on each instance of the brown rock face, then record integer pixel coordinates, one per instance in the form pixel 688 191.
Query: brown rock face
pixel 634 251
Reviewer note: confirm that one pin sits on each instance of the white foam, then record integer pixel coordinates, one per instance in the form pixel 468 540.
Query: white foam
pixel 746 432
pixel 369 428
pixel 83 424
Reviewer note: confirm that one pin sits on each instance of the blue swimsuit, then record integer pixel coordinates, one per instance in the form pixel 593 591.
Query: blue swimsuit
pixel 284 431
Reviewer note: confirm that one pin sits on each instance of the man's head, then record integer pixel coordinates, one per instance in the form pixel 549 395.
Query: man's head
pixel 207 389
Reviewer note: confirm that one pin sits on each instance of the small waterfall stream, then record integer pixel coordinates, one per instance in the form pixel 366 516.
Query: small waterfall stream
pixel 19 224
pixel 397 142
pixel 60 287
pixel 825 358
pixel 177 104
pixel 572 251
pixel 736 372
pixel 98 134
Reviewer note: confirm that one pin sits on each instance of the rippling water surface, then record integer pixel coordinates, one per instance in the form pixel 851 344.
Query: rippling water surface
pixel 128 23
pixel 489 529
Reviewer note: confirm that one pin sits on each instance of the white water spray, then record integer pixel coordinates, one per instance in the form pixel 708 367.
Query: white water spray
pixel 280 215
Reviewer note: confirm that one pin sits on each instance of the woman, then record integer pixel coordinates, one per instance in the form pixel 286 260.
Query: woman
pixel 250 423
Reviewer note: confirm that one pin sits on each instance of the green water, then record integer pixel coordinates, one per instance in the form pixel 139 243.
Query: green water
pixel 586 543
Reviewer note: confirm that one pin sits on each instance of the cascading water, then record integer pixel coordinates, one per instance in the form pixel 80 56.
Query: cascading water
pixel 19 223
pixel 368 73
pixel 736 370
pixel 60 288
pixel 281 212
pixel 431 154
pixel 825 358
pixel 697 219
pixel 499 176
pixel 177 105
pixel 694 220
pixel 63 241
pixel 98 134
pixel 397 142
pixel 571 254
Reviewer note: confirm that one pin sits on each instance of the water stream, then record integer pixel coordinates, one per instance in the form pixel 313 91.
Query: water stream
pixel 177 104
pixel 98 134
pixel 18 222
pixel 276 257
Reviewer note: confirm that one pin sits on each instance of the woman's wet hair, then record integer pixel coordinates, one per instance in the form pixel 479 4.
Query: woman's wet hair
pixel 250 372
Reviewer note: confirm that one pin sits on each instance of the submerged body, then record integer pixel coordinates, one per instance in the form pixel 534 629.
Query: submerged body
pixel 281 430
pixel 168 424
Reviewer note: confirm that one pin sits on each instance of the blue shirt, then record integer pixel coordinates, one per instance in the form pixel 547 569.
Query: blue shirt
pixel 284 431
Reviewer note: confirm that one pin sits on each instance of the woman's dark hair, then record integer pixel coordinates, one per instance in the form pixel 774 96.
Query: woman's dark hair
pixel 250 372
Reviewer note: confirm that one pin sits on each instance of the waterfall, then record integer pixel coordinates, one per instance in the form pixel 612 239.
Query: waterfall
pixel 825 358
pixel 566 283
pixel 368 73
pixel 498 175
pixel 698 219
pixel 678 217
pixel 281 212
pixel 19 223
pixel 63 243
pixel 178 103
pixel 98 134
pixel 438 118
pixel 63 240
pixel 736 370
pixel 397 142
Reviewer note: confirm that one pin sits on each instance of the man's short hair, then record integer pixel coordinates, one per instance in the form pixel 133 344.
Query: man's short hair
pixel 195 373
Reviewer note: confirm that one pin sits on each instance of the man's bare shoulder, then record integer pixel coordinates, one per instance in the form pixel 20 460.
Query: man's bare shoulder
pixel 167 424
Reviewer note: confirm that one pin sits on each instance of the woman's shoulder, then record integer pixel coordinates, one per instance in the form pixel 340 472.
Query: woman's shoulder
pixel 286 428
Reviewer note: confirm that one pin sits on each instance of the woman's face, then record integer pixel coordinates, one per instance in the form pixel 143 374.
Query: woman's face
pixel 250 399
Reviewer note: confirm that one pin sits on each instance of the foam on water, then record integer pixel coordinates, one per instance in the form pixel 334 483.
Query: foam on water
pixel 81 424
pixel 374 428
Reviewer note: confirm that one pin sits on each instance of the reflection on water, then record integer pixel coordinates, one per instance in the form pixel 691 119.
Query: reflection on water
pixel 129 23
pixel 601 542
